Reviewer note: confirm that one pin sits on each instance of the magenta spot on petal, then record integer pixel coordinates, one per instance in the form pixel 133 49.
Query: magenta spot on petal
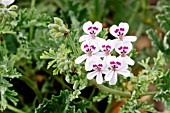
pixel 122 29
pixel 125 47
pixel 89 28
pixel 103 46
pixel 93 47
pixel 86 46
pixel 112 62
pixel 108 47
pixel 95 28
pixel 120 48
pixel 94 65
pixel 116 30
pixel 100 65
pixel 118 63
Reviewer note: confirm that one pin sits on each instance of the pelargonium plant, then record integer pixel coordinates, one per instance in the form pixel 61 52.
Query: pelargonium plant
pixel 98 52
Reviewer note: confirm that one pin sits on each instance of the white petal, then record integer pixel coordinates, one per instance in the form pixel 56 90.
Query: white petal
pixel 106 71
pixel 109 59
pixel 125 26
pixel 91 75
pixel 7 2
pixel 109 75
pixel 129 61
pixel 112 30
pixel 99 40
pixel 98 25
pixel 112 43
pixel 80 59
pixel 125 73
pixel 130 38
pixel 113 79
pixel 88 65
pixel 84 38
pixel 100 54
pixel 99 78
pixel 124 65
pixel 122 44
pixel 86 26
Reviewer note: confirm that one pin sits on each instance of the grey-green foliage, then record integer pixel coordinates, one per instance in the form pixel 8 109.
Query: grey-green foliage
pixel 7 73
pixel 62 104
pixel 158 41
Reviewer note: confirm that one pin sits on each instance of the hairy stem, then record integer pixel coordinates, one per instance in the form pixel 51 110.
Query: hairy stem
pixel 14 109
pixel 111 91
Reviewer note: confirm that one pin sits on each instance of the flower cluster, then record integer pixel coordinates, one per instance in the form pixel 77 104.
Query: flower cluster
pixel 97 52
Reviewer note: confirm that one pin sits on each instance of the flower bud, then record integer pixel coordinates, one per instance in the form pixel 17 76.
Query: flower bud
pixel 54 26
pixel 59 34
pixel 13 7
pixel 63 30
pixel 13 14
pixel 58 21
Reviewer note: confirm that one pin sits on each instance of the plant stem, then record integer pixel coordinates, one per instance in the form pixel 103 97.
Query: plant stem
pixel 31 30
pixel 33 86
pixel 111 91
pixel 108 108
pixel 14 109
pixel 149 93
pixel 73 46
pixel 92 93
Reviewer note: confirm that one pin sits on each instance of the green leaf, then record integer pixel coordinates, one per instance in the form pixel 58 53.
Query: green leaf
pixel 62 104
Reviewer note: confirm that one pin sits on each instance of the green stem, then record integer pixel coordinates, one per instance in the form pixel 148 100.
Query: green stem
pixel 60 80
pixel 149 93
pixel 31 30
pixel 73 46
pixel 14 109
pixel 92 93
pixel 111 91
pixel 33 3
pixel 33 86
pixel 108 108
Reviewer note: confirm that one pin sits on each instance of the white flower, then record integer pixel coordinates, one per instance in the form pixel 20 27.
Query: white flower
pixel 99 69
pixel 91 30
pixel 91 51
pixel 123 49
pixel 117 67
pixel 106 47
pixel 7 2
pixel 120 32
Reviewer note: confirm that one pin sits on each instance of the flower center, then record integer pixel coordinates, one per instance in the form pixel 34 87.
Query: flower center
pixel 123 50
pixel 97 67
pixel 106 49
pixel 89 49
pixel 92 31
pixel 120 33
pixel 115 65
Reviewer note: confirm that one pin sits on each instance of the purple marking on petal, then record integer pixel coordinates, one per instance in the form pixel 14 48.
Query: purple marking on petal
pixel 112 62
pixel 103 46
pixel 89 28
pixel 116 30
pixel 120 48
pixel 93 47
pixel 122 29
pixel 86 46
pixel 94 65
pixel 108 47
pixel 118 63
pixel 100 65
pixel 95 28
pixel 125 47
